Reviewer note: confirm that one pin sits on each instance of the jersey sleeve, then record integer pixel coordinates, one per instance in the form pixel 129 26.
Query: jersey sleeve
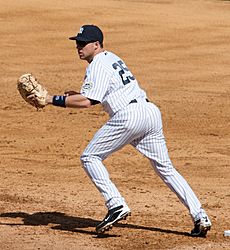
pixel 96 82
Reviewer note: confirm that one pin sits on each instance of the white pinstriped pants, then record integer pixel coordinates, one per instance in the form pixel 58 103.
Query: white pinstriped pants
pixel 140 125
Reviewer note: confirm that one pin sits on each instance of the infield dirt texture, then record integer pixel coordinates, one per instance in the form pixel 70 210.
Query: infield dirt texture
pixel 180 53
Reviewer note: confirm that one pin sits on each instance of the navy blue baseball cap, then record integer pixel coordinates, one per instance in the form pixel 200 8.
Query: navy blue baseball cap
pixel 88 33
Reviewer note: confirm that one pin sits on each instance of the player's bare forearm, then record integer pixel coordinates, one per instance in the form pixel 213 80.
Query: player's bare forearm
pixel 73 101
pixel 77 101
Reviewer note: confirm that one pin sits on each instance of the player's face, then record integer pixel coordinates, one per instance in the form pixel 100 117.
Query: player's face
pixel 86 50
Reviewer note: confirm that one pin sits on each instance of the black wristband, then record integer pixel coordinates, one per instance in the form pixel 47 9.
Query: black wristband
pixel 59 100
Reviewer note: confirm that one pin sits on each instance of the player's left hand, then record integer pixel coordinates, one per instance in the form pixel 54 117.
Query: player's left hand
pixel 32 91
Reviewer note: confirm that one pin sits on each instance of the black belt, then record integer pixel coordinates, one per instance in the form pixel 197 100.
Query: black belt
pixel 135 101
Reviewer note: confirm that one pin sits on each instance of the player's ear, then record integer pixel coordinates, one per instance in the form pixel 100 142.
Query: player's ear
pixel 97 44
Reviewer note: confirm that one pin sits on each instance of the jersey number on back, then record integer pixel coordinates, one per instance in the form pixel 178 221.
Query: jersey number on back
pixel 124 72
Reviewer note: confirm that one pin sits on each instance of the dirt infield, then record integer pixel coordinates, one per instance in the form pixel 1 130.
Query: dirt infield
pixel 179 52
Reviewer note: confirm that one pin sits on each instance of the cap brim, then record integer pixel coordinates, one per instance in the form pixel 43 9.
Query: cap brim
pixel 81 39
pixel 72 38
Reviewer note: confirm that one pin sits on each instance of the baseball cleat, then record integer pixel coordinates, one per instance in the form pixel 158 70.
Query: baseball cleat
pixel 201 227
pixel 113 215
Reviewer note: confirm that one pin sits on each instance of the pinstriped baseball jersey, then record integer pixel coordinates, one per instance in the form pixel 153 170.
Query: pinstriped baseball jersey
pixel 109 81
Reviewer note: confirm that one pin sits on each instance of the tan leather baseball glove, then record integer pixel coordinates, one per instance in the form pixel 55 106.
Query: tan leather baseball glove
pixel 32 91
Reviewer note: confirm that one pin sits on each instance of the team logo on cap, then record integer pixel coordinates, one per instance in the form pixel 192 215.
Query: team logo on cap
pixel 81 30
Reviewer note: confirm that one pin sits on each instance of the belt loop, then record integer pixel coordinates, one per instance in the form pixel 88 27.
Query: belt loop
pixel 135 101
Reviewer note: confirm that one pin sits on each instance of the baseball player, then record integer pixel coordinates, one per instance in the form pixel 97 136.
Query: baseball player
pixel 133 120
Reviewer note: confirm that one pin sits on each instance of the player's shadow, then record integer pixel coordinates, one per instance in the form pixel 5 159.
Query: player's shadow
pixel 61 221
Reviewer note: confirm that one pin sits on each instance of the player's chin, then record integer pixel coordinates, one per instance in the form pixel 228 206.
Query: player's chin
pixel 81 56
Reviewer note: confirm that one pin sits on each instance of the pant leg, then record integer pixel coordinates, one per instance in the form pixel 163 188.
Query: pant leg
pixel 154 147
pixel 121 129
pixel 100 177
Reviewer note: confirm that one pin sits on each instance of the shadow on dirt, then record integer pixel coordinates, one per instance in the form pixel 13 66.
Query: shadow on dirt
pixel 73 224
